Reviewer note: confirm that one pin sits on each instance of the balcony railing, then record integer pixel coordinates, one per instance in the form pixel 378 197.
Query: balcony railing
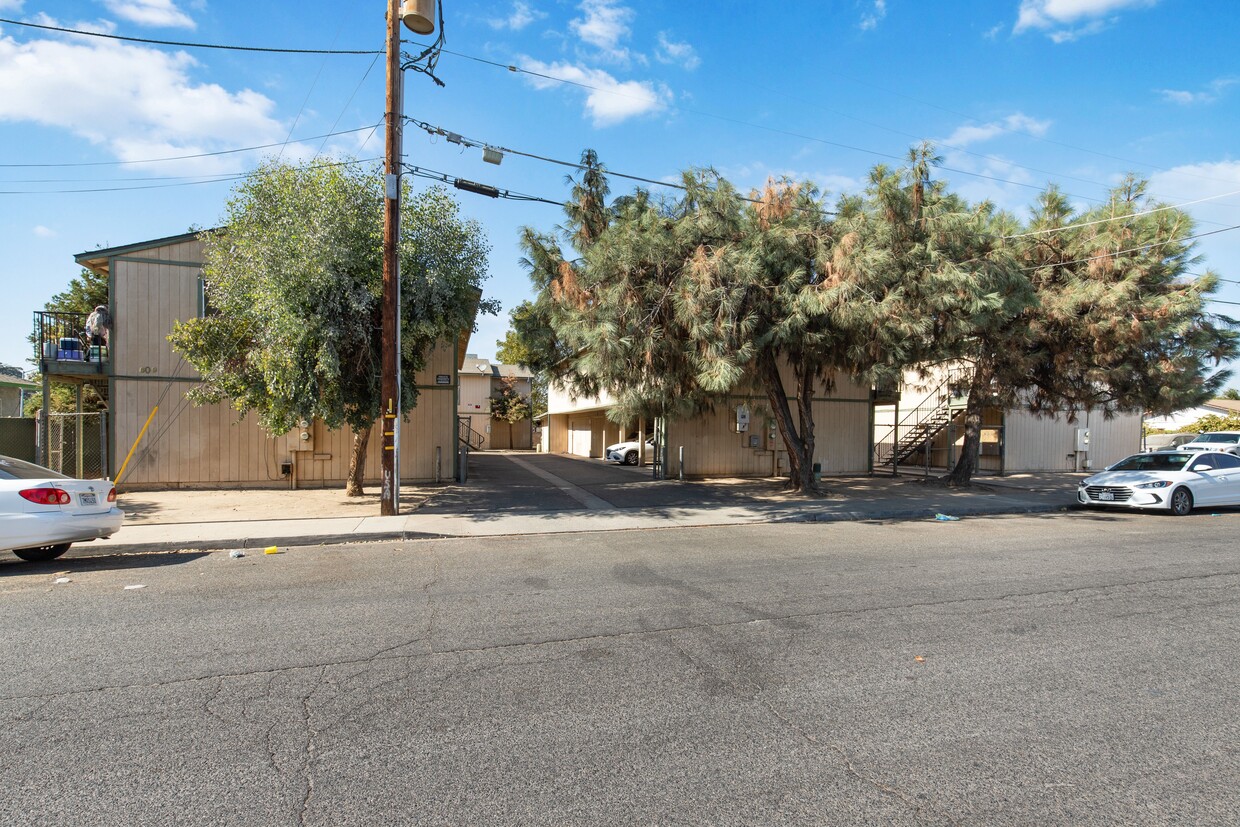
pixel 61 344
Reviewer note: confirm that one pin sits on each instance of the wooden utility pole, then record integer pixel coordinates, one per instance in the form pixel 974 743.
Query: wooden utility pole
pixel 389 503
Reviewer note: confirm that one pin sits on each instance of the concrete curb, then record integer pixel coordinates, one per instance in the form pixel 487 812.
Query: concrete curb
pixel 258 543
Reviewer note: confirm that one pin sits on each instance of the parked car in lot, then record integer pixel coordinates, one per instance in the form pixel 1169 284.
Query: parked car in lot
pixel 625 453
pixel 1174 481
pixel 1228 441
pixel 1167 442
pixel 42 513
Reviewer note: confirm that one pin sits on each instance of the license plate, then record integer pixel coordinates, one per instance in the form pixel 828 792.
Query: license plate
pixel 1106 495
pixel 87 499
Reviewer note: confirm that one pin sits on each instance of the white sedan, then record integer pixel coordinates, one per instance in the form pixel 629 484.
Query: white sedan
pixel 1169 480
pixel 625 453
pixel 42 513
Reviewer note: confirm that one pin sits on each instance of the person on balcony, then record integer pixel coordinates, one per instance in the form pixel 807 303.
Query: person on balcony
pixel 98 332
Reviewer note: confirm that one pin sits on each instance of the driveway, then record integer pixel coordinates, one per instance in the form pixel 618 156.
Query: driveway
pixel 530 482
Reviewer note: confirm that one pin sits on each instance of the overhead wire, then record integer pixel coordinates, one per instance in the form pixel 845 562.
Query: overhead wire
pixel 187 157
pixel 1132 249
pixel 205 180
pixel 189 45
pixel 515 69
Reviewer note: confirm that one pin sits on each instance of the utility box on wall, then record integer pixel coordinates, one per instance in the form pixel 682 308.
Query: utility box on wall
pixel 1082 440
pixel 300 438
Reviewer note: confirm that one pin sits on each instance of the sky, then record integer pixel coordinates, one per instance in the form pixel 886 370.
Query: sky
pixel 106 142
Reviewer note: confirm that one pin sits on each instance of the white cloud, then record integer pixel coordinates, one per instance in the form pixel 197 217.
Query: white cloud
pixel 871 19
pixel 671 51
pixel 976 133
pixel 609 101
pixel 1058 17
pixel 162 13
pixel 11 5
pixel 43 232
pixel 137 103
pixel 604 26
pixel 522 16
pixel 1210 94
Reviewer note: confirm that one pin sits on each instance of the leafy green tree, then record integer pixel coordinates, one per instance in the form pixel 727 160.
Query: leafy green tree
pixel 510 405
pixel 1117 323
pixel 514 350
pixel 11 370
pixel 1231 393
pixel 64 400
pixel 295 284
pixel 1215 422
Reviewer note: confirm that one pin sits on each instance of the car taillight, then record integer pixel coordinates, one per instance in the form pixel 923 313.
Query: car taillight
pixel 112 496
pixel 46 496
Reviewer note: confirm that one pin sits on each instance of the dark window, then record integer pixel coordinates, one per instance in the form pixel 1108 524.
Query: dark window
pixel 16 469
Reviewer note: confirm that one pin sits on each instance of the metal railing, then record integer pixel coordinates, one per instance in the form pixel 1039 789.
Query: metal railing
pixel 467 435
pixel 923 423
pixel 61 336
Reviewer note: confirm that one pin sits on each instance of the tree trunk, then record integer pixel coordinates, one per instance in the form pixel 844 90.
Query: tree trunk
pixel 805 403
pixel 357 464
pixel 800 472
pixel 966 463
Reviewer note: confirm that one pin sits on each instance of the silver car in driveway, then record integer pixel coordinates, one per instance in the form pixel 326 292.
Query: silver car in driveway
pixel 1174 481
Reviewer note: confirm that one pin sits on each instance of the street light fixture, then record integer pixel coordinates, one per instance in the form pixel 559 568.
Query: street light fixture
pixel 419 17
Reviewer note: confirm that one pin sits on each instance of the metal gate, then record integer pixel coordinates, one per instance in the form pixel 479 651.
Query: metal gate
pixel 77 444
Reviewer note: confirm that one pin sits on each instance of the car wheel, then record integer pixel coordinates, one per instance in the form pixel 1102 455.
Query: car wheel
pixel 630 458
pixel 41 554
pixel 1181 501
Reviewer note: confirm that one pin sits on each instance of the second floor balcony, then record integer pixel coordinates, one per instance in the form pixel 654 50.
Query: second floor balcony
pixel 63 347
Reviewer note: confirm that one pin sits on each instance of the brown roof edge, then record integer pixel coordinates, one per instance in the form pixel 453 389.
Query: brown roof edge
pixel 97 260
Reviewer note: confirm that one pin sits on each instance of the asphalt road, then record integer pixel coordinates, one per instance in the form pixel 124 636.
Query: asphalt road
pixel 1070 669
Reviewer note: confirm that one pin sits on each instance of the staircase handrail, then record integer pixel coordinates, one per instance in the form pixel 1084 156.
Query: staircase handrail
pixel 935 401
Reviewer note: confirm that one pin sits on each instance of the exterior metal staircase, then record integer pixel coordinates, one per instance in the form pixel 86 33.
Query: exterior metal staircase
pixel 467 435
pixel 920 426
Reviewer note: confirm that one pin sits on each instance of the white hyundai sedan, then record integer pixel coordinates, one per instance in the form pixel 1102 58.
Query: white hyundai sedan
pixel 42 513
pixel 1173 481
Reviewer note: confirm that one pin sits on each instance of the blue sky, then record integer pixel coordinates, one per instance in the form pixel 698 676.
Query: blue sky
pixel 1018 93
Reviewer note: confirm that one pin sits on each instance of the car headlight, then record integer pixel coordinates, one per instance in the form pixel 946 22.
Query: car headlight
pixel 1159 484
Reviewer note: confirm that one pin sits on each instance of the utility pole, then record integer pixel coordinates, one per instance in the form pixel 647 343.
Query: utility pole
pixel 390 418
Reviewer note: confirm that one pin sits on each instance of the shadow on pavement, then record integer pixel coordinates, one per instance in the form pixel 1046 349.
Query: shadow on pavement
pixel 83 560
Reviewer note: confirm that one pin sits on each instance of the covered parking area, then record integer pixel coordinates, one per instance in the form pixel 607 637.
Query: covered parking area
pixel 586 432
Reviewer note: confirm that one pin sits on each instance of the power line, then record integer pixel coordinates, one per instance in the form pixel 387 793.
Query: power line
pixel 472 186
pixel 183 157
pixel 189 45
pixel 453 137
pixel 513 68
pixel 1121 217
pixel 217 179
pixel 1131 249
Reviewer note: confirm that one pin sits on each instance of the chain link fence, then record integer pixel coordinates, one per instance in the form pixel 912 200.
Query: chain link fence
pixel 78 444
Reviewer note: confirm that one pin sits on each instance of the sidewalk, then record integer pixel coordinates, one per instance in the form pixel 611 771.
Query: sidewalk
pixel 541 494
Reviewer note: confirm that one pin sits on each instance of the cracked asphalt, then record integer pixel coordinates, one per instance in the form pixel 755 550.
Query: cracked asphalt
pixel 1072 669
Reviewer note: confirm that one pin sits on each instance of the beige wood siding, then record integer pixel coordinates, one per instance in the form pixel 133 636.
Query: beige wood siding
pixel 476 395
pixel 212 446
pixel 148 299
